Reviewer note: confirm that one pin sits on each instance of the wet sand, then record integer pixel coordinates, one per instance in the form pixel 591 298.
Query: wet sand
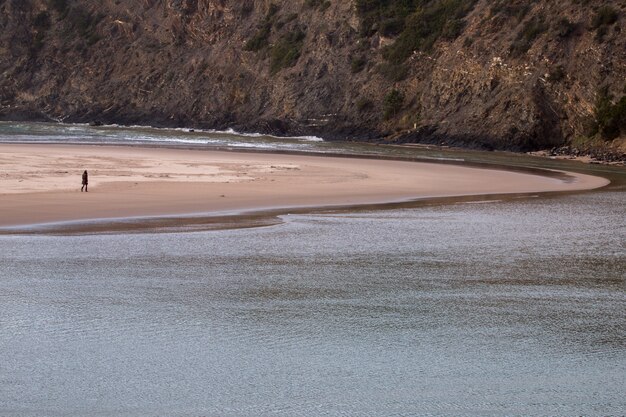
pixel 41 183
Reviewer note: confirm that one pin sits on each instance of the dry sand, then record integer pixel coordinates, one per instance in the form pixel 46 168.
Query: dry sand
pixel 41 183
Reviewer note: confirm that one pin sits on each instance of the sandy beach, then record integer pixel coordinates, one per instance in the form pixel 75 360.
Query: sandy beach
pixel 41 183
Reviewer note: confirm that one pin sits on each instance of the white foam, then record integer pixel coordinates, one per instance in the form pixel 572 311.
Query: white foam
pixel 229 131
pixel 116 134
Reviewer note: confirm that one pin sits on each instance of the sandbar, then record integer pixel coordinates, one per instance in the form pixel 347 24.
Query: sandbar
pixel 40 183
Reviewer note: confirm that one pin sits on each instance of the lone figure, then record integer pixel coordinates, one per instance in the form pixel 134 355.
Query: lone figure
pixel 85 181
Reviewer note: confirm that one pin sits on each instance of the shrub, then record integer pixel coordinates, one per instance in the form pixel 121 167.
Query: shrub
pixel 391 27
pixel 426 25
pixel 260 40
pixel 417 23
pixel 247 7
pixel 452 29
pixel 393 72
pixel 384 15
pixel 38 41
pixel 526 37
pixel 42 21
pixel 557 74
pixel 290 17
pixel 80 22
pixel 318 4
pixel 272 10
pixel 363 104
pixel 610 119
pixel 357 64
pixel 286 51
pixel 59 5
pixel 392 103
pixel 565 28
pixel 504 7
pixel 601 33
pixel 605 16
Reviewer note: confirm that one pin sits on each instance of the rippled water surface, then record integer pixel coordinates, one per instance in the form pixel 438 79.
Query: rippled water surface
pixel 502 308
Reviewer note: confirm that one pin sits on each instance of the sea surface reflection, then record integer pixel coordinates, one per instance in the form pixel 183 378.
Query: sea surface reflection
pixel 503 308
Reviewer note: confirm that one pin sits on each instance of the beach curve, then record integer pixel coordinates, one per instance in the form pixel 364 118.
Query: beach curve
pixel 41 183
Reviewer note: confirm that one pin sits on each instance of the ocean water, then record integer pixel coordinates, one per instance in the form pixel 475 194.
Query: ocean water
pixel 513 307
pixel 142 135
pixel 59 133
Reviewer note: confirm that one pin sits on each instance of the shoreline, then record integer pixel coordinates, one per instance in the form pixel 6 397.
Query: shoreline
pixel 613 156
pixel 41 183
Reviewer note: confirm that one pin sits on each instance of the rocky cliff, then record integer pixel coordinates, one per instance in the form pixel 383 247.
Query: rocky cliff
pixel 518 75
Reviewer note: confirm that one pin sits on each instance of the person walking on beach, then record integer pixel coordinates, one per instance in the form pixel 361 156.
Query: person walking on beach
pixel 85 181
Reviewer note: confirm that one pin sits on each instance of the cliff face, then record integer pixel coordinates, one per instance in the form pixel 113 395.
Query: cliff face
pixel 523 75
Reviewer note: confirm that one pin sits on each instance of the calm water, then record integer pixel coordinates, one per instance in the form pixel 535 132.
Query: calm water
pixel 486 308
pixel 500 308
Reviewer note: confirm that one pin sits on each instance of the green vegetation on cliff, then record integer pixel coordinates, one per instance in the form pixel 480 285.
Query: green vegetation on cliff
pixel 287 50
pixel 318 4
pixel 260 39
pixel 75 20
pixel 287 47
pixel 385 17
pixel 610 116
pixel 418 24
pixel 393 103
pixel 59 5
pixel 604 17
pixel 526 37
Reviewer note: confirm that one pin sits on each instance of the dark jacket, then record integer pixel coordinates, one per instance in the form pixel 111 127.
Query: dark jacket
pixel 85 177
